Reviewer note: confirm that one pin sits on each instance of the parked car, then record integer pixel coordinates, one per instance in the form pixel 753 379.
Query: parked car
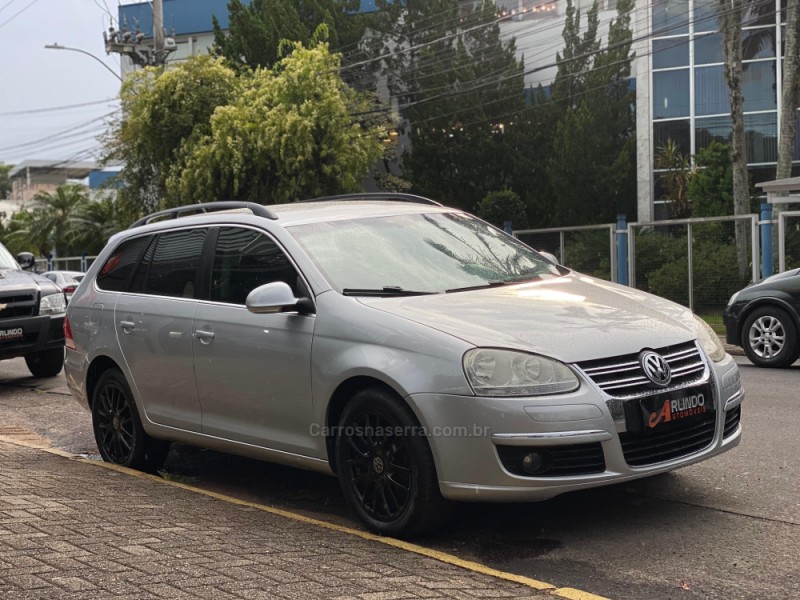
pixel 417 352
pixel 764 320
pixel 67 280
pixel 32 312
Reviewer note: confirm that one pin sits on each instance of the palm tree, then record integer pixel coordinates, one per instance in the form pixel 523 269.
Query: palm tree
pixel 47 226
pixel 93 223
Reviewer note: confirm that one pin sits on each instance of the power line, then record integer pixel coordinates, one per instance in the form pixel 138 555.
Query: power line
pixel 6 5
pixel 18 13
pixel 34 111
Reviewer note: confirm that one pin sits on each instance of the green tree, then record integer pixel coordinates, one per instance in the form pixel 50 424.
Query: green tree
pixel 287 135
pixel 711 185
pixel 592 167
pixel 47 226
pixel 93 223
pixel 461 87
pixel 162 112
pixel 5 183
pixel 256 30
pixel 502 206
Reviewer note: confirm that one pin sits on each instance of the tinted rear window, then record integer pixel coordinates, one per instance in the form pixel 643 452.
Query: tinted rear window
pixel 117 270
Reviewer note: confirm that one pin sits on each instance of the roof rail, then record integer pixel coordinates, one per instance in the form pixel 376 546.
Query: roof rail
pixel 257 209
pixel 389 196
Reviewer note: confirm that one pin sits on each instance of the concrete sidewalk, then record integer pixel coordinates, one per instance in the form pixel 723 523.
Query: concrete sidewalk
pixel 69 529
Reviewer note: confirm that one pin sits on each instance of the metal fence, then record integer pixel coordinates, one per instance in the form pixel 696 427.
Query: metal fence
pixel 694 262
pixel 788 240
pixel 590 249
pixel 67 263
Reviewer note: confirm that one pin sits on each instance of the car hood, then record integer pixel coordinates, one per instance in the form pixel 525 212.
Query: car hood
pixel 13 279
pixel 572 318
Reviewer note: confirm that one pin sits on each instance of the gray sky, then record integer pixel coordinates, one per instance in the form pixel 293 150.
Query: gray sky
pixel 33 78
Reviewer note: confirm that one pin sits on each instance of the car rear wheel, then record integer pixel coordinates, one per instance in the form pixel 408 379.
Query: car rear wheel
pixel 385 466
pixel 118 431
pixel 47 363
pixel 770 338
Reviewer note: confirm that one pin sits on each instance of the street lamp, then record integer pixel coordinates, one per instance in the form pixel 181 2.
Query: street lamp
pixel 60 47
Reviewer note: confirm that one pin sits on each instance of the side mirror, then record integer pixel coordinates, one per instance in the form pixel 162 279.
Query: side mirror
pixel 26 260
pixel 548 256
pixel 271 298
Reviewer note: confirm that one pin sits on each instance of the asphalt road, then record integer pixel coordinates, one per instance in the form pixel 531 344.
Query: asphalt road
pixel 727 528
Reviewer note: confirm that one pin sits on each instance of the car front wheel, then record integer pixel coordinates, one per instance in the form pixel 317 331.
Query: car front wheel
pixel 770 338
pixel 385 466
pixel 47 363
pixel 117 428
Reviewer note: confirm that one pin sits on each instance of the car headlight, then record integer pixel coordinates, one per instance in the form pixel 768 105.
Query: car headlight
pixel 54 304
pixel 709 340
pixel 493 372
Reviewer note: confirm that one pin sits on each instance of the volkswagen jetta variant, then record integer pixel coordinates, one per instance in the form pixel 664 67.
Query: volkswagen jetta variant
pixel 416 352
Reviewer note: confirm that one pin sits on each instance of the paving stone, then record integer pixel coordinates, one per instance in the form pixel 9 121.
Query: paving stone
pixel 135 538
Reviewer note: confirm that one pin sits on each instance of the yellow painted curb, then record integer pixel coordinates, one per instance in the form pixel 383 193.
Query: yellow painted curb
pixel 568 593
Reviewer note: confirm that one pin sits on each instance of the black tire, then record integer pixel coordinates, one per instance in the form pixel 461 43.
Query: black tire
pixel 47 363
pixel 769 337
pixel 389 480
pixel 118 431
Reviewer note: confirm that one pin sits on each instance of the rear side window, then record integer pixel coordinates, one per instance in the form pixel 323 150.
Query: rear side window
pixel 171 265
pixel 117 270
pixel 245 259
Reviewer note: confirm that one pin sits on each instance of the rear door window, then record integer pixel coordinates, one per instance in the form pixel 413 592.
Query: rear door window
pixel 171 266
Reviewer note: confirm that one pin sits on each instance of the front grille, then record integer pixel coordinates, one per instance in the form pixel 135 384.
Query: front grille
pixel 19 305
pixel 673 441
pixel 623 377
pixel 732 418
pixel 559 461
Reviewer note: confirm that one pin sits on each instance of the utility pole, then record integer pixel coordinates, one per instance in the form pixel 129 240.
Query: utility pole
pixel 132 43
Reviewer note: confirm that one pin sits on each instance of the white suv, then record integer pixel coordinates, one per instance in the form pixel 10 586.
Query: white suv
pixel 413 350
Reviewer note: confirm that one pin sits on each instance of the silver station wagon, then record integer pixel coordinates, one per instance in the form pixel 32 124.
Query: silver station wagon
pixel 413 350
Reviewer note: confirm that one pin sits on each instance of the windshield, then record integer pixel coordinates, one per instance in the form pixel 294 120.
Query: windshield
pixel 6 260
pixel 419 253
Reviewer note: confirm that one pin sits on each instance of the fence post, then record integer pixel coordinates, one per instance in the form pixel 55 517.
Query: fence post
pixel 766 240
pixel 50 262
pixel 622 249
pixel 83 262
pixel 507 227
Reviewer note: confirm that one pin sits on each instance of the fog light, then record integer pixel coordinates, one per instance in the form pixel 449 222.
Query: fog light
pixel 533 462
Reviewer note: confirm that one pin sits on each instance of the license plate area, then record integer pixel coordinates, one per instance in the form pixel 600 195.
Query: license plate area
pixel 664 410
pixel 11 334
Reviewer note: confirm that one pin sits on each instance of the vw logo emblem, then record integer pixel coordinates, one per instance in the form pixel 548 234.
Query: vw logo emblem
pixel 656 368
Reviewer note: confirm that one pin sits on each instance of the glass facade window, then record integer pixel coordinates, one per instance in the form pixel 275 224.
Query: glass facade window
pixel 707 131
pixel 759 86
pixel 711 95
pixel 758 43
pixel 670 17
pixel 758 13
pixel 671 94
pixel 761 134
pixel 677 131
pixel 709 49
pixel 705 15
pixel 673 52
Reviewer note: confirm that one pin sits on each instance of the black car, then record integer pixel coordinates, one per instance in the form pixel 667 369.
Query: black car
pixel 764 319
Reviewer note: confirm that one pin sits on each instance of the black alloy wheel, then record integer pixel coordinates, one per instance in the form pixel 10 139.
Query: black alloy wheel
pixel 117 428
pixel 385 466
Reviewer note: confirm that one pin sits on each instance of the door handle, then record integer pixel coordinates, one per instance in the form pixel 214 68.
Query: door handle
pixel 127 326
pixel 205 337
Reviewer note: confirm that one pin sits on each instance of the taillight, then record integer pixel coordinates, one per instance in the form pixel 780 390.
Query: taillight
pixel 69 341
pixel 69 289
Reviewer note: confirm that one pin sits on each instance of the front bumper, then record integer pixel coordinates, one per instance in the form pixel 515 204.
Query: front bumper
pixel 39 333
pixel 730 317
pixel 466 432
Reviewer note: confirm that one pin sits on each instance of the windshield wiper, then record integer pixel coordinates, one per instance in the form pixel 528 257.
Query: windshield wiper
pixel 385 291
pixel 482 286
